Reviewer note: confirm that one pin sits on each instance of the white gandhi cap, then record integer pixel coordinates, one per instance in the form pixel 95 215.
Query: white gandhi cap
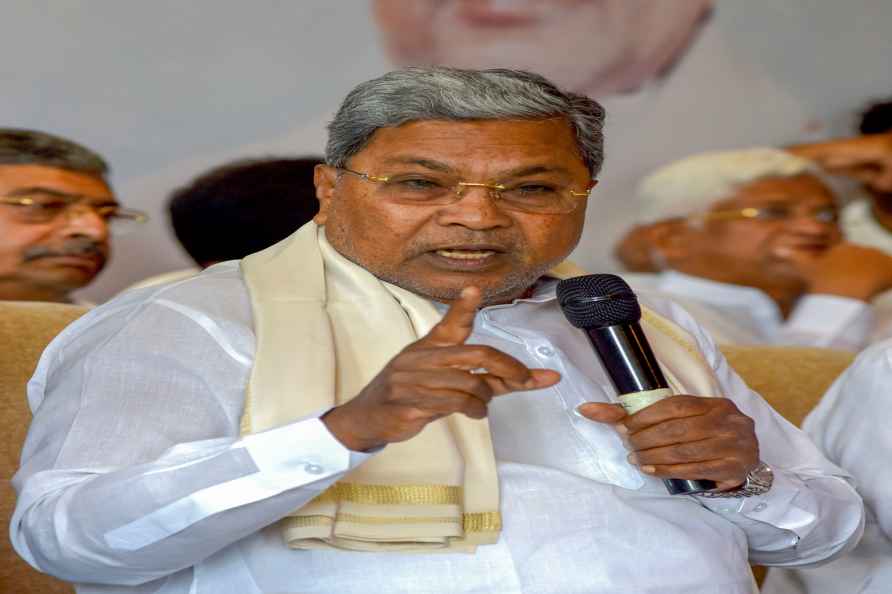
pixel 691 185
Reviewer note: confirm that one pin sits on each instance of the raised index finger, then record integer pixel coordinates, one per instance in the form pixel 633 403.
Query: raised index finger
pixel 457 324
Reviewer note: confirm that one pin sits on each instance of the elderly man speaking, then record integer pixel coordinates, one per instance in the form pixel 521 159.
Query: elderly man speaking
pixel 391 401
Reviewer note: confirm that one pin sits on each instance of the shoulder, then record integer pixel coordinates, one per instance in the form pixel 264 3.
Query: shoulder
pixel 871 371
pixel 863 387
pixel 216 300
pixel 849 418
pixel 218 291
pixel 165 278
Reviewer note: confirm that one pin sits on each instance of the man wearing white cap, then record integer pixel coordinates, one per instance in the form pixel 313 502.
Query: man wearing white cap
pixel 749 242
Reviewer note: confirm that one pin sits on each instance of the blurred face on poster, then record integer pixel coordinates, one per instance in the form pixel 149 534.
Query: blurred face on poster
pixel 599 47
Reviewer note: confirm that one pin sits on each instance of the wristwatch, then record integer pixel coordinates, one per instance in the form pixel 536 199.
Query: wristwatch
pixel 758 482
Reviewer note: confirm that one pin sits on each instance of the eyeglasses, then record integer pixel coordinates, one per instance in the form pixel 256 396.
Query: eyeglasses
pixel 537 197
pixel 823 214
pixel 38 208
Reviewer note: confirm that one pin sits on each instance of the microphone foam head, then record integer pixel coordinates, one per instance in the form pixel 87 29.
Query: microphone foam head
pixel 598 300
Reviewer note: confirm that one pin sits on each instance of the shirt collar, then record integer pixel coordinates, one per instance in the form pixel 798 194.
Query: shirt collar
pixel 543 290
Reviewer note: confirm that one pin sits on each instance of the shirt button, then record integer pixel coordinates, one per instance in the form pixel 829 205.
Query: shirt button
pixel 760 507
pixel 545 351
pixel 313 469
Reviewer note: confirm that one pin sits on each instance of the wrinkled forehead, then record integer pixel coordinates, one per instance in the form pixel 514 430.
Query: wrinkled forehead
pixel 476 146
pixel 805 188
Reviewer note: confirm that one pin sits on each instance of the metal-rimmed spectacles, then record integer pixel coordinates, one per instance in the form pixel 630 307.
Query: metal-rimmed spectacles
pixel 41 208
pixel 537 196
pixel 824 214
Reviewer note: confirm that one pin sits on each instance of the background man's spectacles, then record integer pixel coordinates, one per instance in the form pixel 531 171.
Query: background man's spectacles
pixel 45 208
pixel 532 196
pixel 826 214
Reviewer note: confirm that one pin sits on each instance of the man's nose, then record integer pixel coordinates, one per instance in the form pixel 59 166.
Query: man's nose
pixel 476 208
pixel 83 221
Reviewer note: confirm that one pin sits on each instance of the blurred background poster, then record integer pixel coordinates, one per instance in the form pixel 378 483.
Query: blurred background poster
pixel 167 89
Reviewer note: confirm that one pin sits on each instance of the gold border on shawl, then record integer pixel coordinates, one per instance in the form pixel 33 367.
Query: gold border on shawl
pixel 391 494
pixel 660 324
pixel 245 423
pixel 482 522
pixel 471 522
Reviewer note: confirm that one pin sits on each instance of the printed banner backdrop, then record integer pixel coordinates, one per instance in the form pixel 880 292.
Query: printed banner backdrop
pixel 167 89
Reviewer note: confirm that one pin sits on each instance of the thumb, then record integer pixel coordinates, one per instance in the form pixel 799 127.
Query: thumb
pixel 602 412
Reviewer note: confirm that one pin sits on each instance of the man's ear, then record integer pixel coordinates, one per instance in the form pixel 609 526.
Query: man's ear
pixel 634 250
pixel 325 178
pixel 649 248
pixel 671 241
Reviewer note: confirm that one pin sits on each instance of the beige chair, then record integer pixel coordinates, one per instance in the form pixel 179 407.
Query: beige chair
pixel 25 330
pixel 791 379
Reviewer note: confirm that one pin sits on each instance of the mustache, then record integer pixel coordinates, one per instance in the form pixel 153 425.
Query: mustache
pixel 84 247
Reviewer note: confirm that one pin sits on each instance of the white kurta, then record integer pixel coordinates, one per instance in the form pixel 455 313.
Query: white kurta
pixel 860 226
pixel 134 474
pixel 735 314
pixel 851 425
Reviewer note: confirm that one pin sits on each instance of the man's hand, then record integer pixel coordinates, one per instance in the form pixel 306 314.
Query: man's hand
pixel 436 376
pixel 686 437
pixel 867 158
pixel 846 269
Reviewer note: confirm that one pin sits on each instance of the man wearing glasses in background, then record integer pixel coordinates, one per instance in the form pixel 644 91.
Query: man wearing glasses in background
pixel 749 242
pixel 57 211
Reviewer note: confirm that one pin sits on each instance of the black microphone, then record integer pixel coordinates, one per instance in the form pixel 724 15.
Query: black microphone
pixel 606 309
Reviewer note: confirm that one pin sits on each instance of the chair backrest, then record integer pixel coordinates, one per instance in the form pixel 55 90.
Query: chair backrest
pixel 791 379
pixel 26 328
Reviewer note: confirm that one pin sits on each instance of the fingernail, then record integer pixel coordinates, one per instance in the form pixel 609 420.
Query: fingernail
pixel 632 458
pixel 648 469
pixel 622 428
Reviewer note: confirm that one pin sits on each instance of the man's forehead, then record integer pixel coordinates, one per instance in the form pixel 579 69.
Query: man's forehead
pixel 551 139
pixel 63 181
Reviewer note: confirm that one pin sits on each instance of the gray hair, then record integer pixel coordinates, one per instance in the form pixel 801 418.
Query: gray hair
pixel 30 147
pixel 439 93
